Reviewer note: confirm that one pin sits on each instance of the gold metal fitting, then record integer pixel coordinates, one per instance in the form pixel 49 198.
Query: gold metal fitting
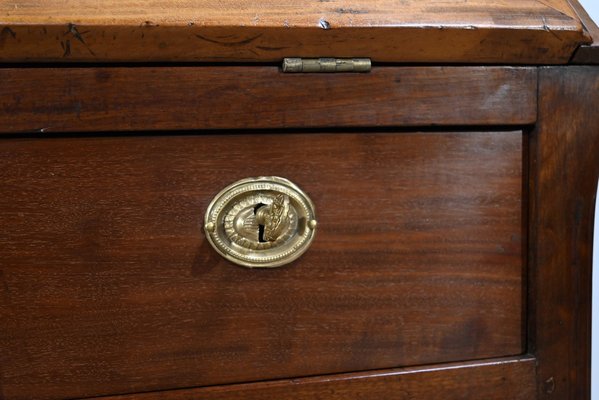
pixel 260 222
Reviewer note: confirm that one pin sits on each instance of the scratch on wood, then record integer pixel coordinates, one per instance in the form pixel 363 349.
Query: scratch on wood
pixel 324 24
pixel 230 44
pixel 350 11
pixel 546 28
pixel 549 385
pixel 5 33
pixel 66 47
pixel 8 31
pixel 72 29
pixel 266 48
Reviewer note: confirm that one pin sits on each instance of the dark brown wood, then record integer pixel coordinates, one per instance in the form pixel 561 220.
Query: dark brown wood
pixel 564 173
pixel 134 99
pixel 500 379
pixel 476 31
pixel 108 285
pixel 586 54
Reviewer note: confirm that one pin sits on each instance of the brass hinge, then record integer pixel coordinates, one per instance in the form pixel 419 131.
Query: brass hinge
pixel 326 65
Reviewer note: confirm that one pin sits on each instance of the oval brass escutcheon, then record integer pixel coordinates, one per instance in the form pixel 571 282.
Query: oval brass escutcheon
pixel 260 222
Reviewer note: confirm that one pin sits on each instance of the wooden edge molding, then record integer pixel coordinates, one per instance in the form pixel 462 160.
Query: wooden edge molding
pixel 495 379
pixel 477 31
pixel 410 44
pixel 564 170
pixel 586 53
pixel 96 99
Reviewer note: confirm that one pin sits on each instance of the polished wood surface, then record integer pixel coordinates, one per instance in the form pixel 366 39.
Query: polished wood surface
pixel 499 379
pixel 564 173
pixel 166 98
pixel 477 31
pixel 108 286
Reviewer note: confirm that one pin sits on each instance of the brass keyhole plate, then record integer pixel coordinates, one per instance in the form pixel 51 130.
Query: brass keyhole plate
pixel 262 222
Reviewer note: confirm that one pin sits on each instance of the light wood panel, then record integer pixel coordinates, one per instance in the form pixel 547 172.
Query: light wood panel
pixel 509 31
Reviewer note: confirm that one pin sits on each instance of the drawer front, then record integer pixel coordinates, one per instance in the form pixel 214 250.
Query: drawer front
pixel 108 284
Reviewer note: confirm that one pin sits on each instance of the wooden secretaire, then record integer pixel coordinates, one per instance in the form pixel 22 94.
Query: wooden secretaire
pixel 296 200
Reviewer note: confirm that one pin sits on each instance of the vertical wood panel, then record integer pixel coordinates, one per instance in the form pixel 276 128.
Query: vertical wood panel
pixel 564 172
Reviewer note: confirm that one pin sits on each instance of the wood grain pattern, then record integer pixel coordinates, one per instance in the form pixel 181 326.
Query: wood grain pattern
pixel 510 31
pixel 512 378
pixel 564 172
pixel 586 54
pixel 154 98
pixel 108 285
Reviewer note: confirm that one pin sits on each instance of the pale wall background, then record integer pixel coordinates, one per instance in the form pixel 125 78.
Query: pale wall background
pixel 592 7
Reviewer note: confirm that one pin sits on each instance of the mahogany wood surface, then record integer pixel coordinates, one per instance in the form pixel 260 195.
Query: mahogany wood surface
pixel 168 98
pixel 108 285
pixel 476 31
pixel 501 379
pixel 564 172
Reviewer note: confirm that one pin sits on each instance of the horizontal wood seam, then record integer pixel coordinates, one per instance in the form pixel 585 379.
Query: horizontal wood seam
pixel 367 374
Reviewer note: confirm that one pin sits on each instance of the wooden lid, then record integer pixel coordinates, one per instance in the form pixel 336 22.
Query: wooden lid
pixel 471 31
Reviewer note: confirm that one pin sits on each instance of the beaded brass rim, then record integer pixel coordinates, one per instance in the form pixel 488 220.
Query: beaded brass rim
pixel 262 222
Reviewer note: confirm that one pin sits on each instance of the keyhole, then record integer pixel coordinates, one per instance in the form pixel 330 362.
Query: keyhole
pixel 261 234
pixel 260 226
